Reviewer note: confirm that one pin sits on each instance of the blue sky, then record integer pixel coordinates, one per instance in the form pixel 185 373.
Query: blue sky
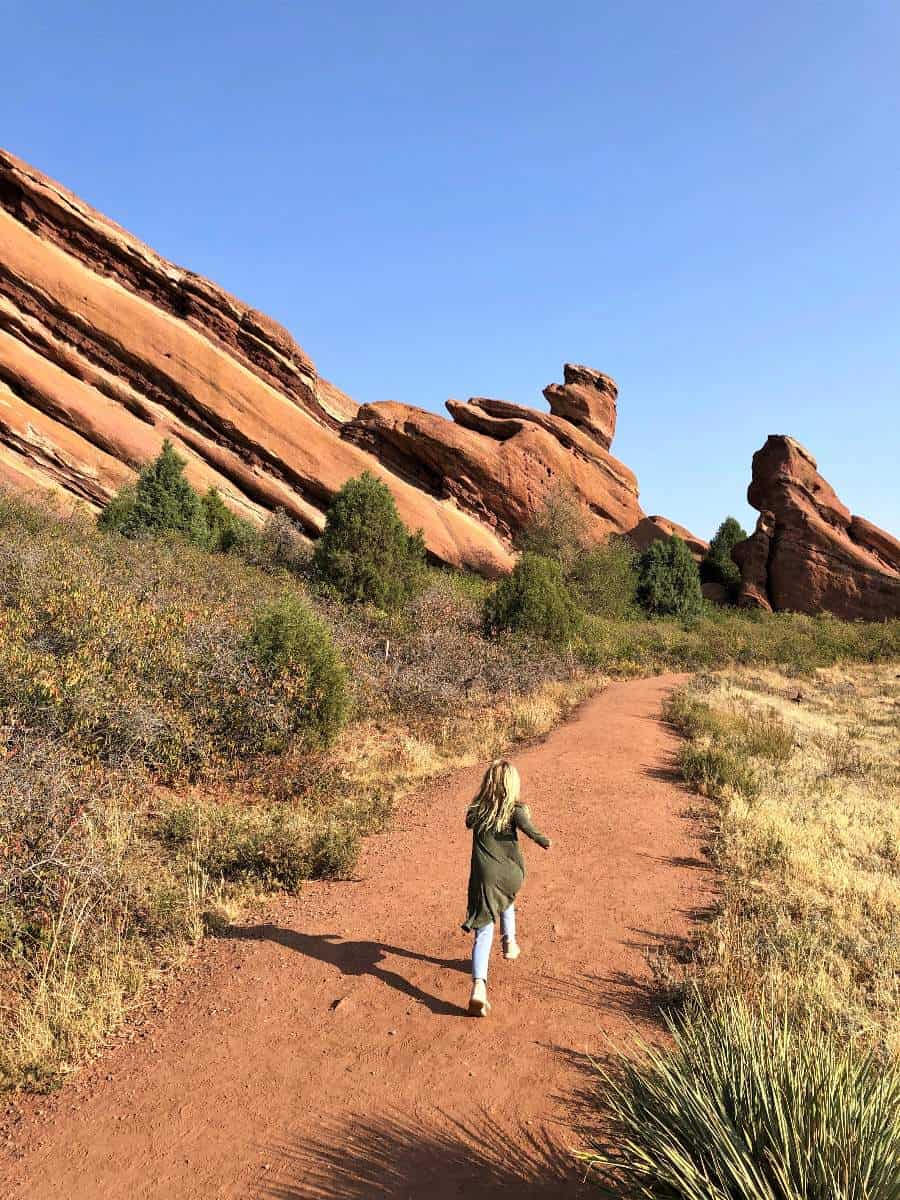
pixel 701 199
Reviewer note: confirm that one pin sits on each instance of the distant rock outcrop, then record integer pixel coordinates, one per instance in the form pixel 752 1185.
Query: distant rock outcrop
pixel 499 460
pixel 808 553
pixel 106 349
pixel 660 529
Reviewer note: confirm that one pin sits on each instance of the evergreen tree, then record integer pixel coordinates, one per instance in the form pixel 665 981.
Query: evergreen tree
pixel 533 599
pixel 224 528
pixel 161 501
pixel 668 580
pixel 366 552
pixel 718 566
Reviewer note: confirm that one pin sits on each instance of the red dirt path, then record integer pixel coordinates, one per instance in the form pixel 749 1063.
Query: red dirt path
pixel 326 1052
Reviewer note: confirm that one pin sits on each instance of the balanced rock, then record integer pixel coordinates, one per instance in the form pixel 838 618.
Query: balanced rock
pixel 587 399
pixel 808 553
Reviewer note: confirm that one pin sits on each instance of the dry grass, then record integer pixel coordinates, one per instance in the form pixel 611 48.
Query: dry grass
pixel 809 851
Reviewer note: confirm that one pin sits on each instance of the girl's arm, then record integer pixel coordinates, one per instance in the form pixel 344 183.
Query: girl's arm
pixel 523 822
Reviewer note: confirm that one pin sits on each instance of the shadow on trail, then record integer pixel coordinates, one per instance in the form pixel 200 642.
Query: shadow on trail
pixel 641 997
pixel 622 994
pixel 397 1159
pixel 358 958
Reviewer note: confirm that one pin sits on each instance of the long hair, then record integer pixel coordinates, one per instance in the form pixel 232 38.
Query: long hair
pixel 492 809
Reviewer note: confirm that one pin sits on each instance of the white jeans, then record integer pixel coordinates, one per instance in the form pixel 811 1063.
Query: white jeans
pixel 484 938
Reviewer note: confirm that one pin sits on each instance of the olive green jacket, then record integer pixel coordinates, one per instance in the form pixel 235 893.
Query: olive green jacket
pixel 498 869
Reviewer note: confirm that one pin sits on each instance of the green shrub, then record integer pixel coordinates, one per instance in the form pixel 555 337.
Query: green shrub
pixel 747 1105
pixel 558 530
pixel 291 644
pixel 717 565
pixel 533 599
pixel 668 581
pixel 604 578
pixel 162 501
pixel 119 511
pixel 332 852
pixel 225 530
pixel 366 553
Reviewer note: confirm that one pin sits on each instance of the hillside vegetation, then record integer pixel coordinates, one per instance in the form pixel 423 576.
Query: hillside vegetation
pixel 183 727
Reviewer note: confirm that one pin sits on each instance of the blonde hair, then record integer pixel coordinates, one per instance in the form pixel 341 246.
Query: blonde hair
pixel 492 809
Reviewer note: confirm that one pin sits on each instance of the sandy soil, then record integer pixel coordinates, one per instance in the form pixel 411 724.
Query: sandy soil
pixel 325 1050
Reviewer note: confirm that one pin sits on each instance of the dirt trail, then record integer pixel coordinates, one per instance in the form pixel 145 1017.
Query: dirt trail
pixel 326 1053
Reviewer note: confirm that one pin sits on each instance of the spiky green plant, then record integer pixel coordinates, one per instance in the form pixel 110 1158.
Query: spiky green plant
pixel 745 1105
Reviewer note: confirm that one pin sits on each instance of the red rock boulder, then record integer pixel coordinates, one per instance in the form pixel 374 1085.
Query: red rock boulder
pixel 808 553
pixel 586 399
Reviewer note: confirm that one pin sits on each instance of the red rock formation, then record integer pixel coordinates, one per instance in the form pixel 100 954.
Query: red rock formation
pixel 499 461
pixel 808 554
pixel 106 349
pixel 752 558
pixel 586 399
pixel 658 529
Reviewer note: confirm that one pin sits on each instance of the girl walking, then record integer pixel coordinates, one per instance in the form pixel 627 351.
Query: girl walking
pixel 495 817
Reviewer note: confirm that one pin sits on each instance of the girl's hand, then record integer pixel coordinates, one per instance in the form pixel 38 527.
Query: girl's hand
pixel 549 844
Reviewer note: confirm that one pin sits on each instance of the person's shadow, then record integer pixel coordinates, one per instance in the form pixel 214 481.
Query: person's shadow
pixel 358 958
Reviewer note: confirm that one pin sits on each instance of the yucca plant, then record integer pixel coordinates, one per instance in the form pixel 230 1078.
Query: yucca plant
pixel 744 1105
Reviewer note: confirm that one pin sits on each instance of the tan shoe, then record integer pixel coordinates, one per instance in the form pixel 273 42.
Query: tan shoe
pixel 479 1005
pixel 511 950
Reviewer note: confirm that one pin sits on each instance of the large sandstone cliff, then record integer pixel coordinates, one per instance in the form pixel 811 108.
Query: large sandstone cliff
pixel 106 349
pixel 809 553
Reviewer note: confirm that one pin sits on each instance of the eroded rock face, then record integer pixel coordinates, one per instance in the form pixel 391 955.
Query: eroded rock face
pixel 106 349
pixel 808 553
pixel 752 558
pixel 499 461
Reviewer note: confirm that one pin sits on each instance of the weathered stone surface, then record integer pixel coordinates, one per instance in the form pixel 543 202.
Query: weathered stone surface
pixel 586 399
pixel 808 553
pixel 752 558
pixel 106 349
pixel 499 461
pixel 658 529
